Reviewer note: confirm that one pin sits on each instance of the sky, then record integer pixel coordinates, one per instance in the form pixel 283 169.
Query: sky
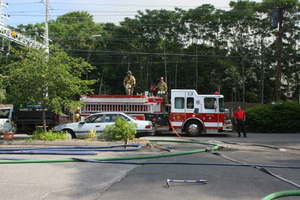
pixel 33 11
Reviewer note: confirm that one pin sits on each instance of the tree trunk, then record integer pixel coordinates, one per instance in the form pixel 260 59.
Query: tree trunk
pixel 278 68
pixel 44 119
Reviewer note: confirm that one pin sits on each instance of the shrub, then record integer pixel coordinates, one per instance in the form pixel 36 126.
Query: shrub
pixel 91 135
pixel 40 134
pixel 277 118
pixel 120 130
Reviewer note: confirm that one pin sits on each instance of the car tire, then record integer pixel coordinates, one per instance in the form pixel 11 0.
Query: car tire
pixel 71 134
pixel 193 128
pixel 138 135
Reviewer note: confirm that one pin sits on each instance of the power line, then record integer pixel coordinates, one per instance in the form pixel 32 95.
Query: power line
pixel 98 10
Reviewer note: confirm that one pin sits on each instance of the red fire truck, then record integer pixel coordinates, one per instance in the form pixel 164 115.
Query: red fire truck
pixel 188 112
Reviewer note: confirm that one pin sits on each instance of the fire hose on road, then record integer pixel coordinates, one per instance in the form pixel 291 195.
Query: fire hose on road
pixel 70 150
pixel 120 160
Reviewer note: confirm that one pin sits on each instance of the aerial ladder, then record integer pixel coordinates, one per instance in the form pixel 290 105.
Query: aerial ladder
pixel 18 38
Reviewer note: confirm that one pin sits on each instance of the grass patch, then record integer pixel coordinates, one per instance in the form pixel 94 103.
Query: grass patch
pixel 91 135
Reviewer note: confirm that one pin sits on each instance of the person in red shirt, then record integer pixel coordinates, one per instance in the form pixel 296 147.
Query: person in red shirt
pixel 240 118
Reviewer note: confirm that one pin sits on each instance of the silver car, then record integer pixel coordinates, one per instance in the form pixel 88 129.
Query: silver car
pixel 99 121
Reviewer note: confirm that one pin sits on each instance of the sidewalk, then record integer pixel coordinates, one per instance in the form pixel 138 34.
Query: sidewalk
pixel 20 139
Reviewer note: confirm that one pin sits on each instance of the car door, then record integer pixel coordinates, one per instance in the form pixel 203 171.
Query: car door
pixel 94 122
pixel 6 124
pixel 210 113
pixel 99 122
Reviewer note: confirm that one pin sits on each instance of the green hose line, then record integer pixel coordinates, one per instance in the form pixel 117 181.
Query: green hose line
pixel 215 147
pixel 282 194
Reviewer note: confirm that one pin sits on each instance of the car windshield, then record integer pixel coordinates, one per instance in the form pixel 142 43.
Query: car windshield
pixel 4 113
pixel 126 117
pixel 221 105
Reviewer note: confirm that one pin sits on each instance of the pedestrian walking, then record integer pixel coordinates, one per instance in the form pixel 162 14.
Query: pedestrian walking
pixel 240 118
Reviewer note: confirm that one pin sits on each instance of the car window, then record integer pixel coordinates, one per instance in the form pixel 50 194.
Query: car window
pixel 190 103
pixel 179 102
pixel 209 103
pixel 111 117
pixel 94 119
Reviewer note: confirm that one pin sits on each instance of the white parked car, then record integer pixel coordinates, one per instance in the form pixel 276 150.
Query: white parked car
pixel 99 121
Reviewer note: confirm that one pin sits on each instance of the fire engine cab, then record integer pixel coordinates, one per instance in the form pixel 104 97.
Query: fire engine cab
pixel 188 112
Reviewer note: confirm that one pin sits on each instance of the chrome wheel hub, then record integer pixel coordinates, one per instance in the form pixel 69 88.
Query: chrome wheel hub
pixel 193 128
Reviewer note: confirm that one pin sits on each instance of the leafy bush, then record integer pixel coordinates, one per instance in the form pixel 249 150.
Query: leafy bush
pixel 120 130
pixel 40 134
pixel 277 118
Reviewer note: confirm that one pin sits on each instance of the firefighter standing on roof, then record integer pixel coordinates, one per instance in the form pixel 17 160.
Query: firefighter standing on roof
pixel 162 89
pixel 129 83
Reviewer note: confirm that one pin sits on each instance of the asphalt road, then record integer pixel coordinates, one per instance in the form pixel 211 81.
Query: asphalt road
pixel 102 181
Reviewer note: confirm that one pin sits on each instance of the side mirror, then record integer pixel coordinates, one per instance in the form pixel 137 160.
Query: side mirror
pixel 82 122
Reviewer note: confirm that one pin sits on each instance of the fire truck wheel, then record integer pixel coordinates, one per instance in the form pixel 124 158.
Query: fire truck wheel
pixel 71 134
pixel 193 128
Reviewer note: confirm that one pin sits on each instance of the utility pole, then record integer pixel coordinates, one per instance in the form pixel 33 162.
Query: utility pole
pixel 278 67
pixel 48 15
pixel 243 77
pixel 2 16
pixel 262 50
pixel 46 43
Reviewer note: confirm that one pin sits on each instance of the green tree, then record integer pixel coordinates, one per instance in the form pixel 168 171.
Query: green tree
pixel 50 80
pixel 79 36
pixel 74 31
pixel 207 49
pixel 285 9
pixel 2 91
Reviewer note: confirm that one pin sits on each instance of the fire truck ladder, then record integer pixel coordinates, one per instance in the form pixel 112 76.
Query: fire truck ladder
pixel 120 107
pixel 13 36
pixel 18 38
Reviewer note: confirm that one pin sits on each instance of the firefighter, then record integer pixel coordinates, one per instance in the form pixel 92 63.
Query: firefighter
pixel 162 89
pixel 77 114
pixel 129 83
pixel 77 117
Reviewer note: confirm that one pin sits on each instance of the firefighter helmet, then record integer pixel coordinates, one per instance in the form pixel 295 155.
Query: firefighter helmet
pixel 129 72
